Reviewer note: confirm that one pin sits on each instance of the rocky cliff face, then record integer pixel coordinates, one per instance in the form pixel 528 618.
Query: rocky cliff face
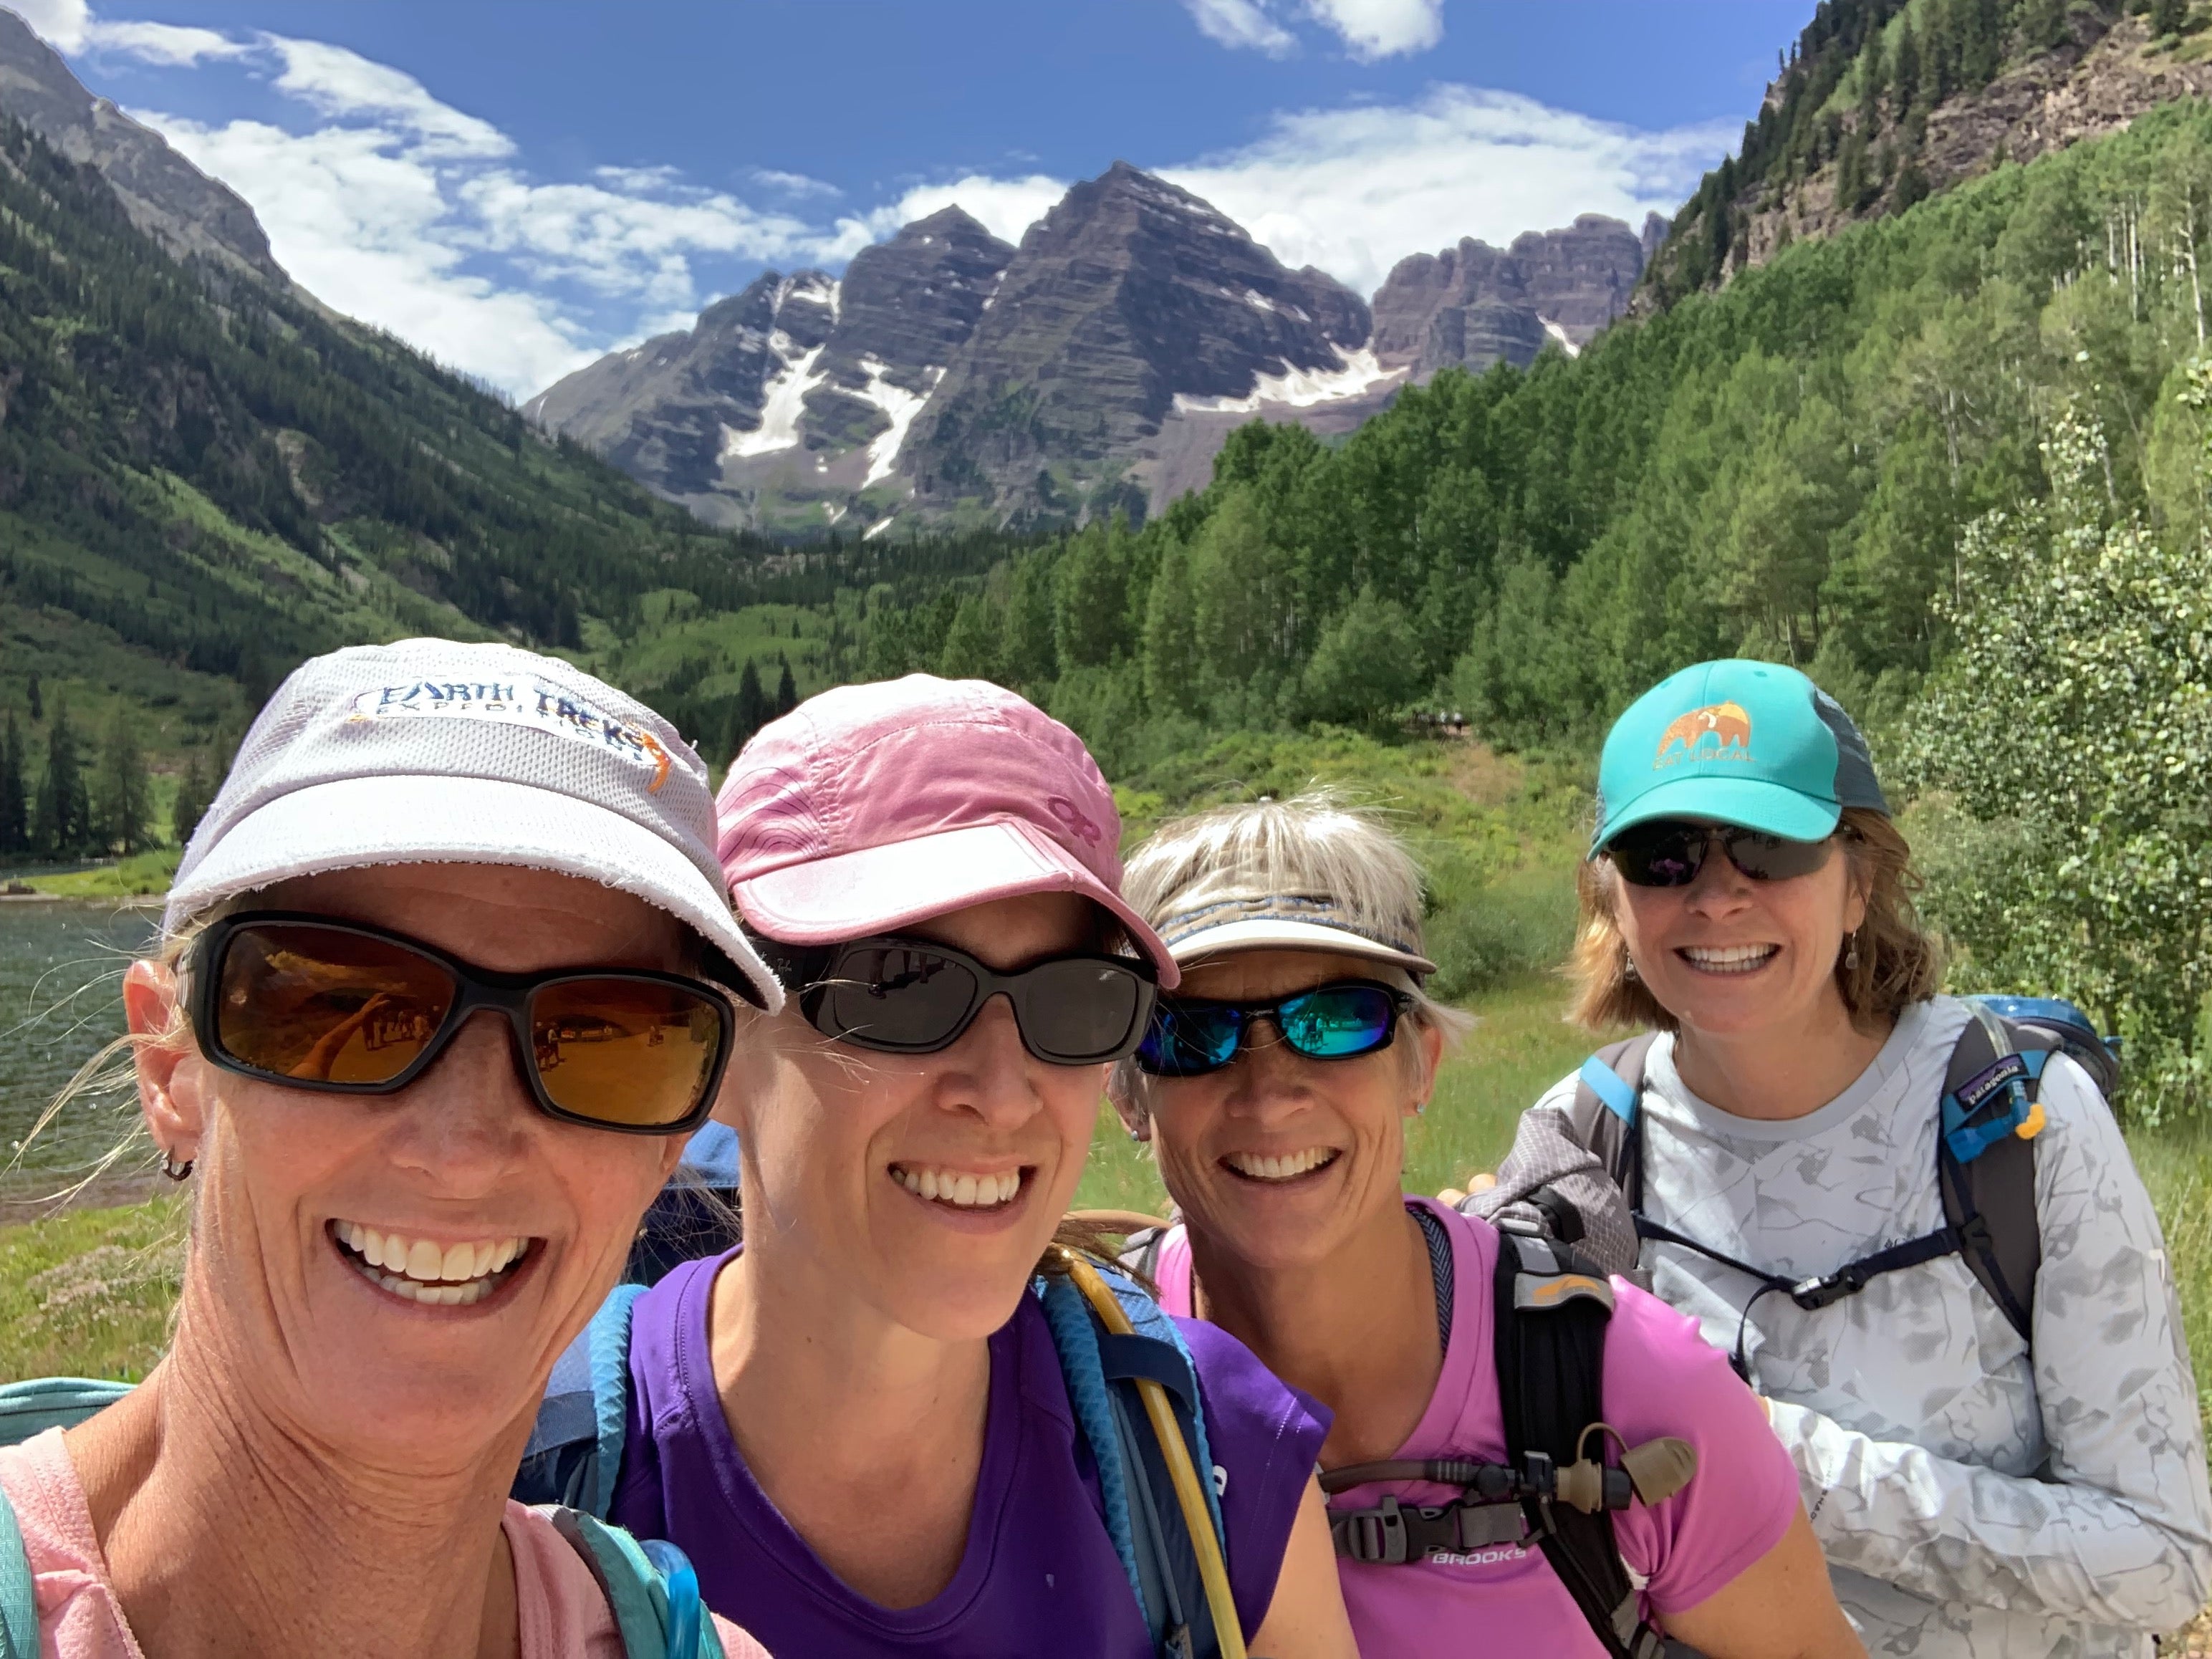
pixel 1131 300
pixel 166 196
pixel 1474 305
pixel 1863 125
pixel 787 404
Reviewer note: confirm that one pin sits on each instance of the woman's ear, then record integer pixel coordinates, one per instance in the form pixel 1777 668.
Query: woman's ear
pixel 1120 1090
pixel 170 1075
pixel 1429 1040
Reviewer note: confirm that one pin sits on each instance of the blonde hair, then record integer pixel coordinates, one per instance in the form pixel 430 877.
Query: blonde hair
pixel 1316 845
pixel 1898 963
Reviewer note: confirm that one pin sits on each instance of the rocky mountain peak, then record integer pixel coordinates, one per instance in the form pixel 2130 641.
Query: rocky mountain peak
pixel 166 196
pixel 1472 306
pixel 1127 300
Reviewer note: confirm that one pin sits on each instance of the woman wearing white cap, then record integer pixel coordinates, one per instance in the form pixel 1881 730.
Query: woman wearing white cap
pixel 402 1212
pixel 1518 1446
pixel 870 1429
pixel 1914 1224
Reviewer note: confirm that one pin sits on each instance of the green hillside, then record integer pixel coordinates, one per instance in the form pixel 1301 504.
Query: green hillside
pixel 204 480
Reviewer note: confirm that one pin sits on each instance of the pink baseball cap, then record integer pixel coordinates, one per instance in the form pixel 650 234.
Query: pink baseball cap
pixel 872 807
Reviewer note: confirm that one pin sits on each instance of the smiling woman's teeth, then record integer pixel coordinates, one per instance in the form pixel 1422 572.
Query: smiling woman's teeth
pixel 1728 959
pixel 423 1270
pixel 1280 1169
pixel 953 1186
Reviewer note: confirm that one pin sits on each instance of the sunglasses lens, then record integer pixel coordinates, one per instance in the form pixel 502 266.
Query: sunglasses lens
pixel 1338 1022
pixel 898 997
pixel 1076 1011
pixel 1770 858
pixel 1188 1039
pixel 320 1005
pixel 631 1052
pixel 1659 854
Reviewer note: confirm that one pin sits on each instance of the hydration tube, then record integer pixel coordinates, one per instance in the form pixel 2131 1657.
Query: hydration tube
pixel 1197 1517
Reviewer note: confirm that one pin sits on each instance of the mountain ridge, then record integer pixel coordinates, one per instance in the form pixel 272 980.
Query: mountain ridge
pixel 1097 368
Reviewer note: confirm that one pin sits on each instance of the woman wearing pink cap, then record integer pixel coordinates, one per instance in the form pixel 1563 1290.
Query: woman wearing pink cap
pixel 859 1427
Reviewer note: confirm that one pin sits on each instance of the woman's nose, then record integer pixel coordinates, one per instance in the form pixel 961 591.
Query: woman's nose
pixel 464 1121
pixel 1719 887
pixel 989 1072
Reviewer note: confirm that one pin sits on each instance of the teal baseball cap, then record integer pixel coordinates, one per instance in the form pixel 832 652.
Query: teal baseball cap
pixel 1751 744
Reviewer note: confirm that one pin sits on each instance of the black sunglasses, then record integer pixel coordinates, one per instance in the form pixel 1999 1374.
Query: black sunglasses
pixel 1669 853
pixel 1341 1020
pixel 914 996
pixel 341 1008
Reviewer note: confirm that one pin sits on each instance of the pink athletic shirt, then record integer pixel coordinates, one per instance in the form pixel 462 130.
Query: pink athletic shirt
pixel 564 1615
pixel 1660 1379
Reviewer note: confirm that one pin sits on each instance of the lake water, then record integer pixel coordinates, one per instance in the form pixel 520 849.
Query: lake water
pixel 61 977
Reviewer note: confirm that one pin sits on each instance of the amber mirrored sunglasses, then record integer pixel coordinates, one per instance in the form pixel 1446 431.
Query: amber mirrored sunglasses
pixel 341 1008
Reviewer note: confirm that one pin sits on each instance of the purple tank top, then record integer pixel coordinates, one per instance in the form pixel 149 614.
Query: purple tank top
pixel 1039 1572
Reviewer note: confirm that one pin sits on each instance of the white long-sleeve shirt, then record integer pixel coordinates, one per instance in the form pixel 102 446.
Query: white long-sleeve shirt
pixel 1974 1503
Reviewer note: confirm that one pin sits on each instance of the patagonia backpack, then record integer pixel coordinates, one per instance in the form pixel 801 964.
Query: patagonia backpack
pixel 1558 1489
pixel 575 1453
pixel 1576 1172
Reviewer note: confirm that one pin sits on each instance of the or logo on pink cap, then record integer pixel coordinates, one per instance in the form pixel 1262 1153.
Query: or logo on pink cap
pixel 871 807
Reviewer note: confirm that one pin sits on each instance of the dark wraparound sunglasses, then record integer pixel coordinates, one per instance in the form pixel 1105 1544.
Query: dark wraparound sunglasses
pixel 1669 853
pixel 913 996
pixel 341 1008
pixel 1341 1020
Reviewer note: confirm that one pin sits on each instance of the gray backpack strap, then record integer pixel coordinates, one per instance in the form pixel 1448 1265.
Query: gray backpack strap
pixel 19 1607
pixel 1989 1193
pixel 1574 1173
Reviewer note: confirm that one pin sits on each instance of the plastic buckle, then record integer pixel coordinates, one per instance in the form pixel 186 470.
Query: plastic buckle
pixel 1812 1294
pixel 1378 1536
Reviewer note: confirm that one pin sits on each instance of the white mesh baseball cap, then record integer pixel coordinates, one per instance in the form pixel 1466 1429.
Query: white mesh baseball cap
pixel 434 752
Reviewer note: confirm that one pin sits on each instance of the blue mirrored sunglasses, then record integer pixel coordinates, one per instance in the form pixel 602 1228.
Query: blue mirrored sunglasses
pixel 1341 1020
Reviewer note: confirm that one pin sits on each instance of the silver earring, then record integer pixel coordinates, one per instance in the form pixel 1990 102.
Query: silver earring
pixel 1627 967
pixel 174 1170
pixel 1851 954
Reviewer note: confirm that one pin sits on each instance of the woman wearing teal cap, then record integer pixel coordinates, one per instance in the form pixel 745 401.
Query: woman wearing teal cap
pixel 1913 1225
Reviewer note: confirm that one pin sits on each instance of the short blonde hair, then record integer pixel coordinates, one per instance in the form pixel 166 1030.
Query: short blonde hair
pixel 1316 845
pixel 1897 962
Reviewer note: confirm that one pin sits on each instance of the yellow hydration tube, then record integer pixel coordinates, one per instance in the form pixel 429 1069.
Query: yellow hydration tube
pixel 1188 1493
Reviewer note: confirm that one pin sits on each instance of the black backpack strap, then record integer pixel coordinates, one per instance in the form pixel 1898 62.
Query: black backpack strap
pixel 1608 1114
pixel 1573 1163
pixel 1551 1318
pixel 1985 1156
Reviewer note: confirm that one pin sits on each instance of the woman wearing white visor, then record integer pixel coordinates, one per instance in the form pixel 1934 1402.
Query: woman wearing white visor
pixel 1519 1447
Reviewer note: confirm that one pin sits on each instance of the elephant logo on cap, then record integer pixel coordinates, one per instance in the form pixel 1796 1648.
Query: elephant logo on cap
pixel 1728 725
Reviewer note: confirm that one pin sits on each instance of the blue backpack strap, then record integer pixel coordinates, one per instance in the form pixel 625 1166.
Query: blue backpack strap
pixel 49 1402
pixel 650 1587
pixel 1143 1515
pixel 19 1608
pixel 1075 1339
pixel 1180 1377
pixel 575 1447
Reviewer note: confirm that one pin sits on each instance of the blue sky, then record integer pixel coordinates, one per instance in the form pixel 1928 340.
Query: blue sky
pixel 517 187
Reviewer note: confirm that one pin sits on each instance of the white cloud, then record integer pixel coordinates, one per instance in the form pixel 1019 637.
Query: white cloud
pixel 338 84
pixel 1354 191
pixel 68 26
pixel 1382 28
pixel 1241 25
pixel 1370 29
pixel 791 184
pixel 1006 207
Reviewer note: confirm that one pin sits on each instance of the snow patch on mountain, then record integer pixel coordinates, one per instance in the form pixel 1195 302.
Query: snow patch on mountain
pixel 1561 334
pixel 783 405
pixel 1300 388
pixel 899 406
pixel 875 529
